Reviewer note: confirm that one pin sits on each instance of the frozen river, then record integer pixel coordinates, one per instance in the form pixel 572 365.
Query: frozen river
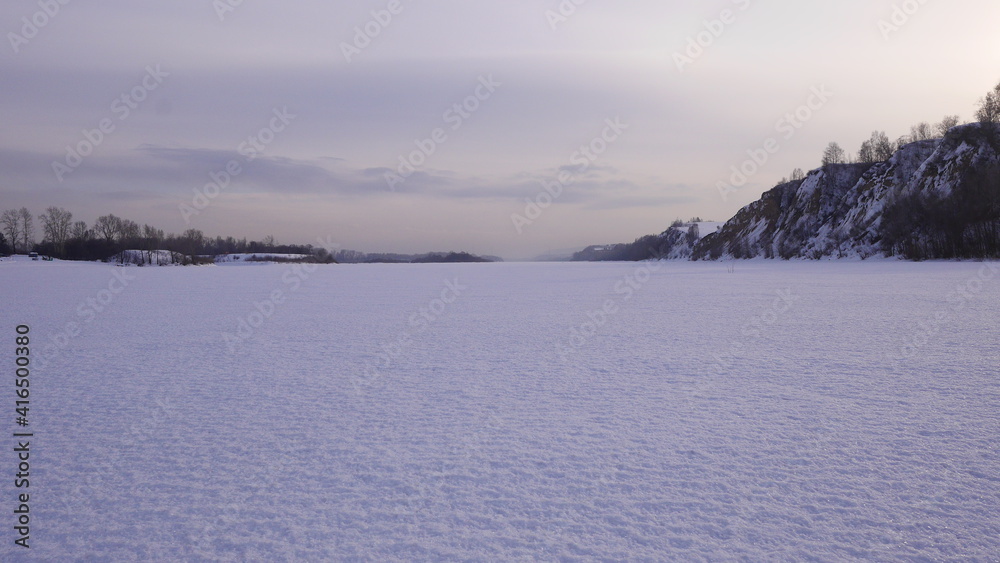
pixel 779 411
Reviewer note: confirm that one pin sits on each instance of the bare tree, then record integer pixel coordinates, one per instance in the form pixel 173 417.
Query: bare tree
pixel 876 149
pixel 153 235
pixel 882 146
pixel 946 124
pixel 129 232
pixel 989 107
pixel 56 223
pixel 798 174
pixel 193 241
pixel 921 131
pixel 11 222
pixel 833 154
pixel 27 229
pixel 693 234
pixel 151 238
pixel 867 152
pixel 109 227
pixel 80 231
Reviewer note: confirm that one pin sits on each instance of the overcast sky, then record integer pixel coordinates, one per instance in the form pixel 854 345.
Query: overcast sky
pixel 334 111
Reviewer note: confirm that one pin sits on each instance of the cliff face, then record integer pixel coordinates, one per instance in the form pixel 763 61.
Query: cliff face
pixel 932 199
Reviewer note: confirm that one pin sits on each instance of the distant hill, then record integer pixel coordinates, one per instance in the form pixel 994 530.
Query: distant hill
pixel 266 258
pixel 675 243
pixel 451 257
pixel 932 199
pixel 555 256
pixel 355 257
pixel 937 198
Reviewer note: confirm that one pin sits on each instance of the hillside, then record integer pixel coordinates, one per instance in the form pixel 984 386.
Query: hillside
pixel 936 198
pixel 675 243
pixel 933 199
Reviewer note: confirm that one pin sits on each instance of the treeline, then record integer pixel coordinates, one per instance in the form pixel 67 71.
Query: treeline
pixel 356 257
pixel 879 148
pixel 66 239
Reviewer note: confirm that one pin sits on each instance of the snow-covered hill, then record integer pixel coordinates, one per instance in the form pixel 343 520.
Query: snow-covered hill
pixel 933 199
pixel 676 243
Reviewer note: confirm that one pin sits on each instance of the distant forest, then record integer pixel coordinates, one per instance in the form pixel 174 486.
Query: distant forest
pixel 110 235
pixel 66 239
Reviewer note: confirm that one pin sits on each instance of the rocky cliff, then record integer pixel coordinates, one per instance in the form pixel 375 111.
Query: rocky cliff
pixel 933 199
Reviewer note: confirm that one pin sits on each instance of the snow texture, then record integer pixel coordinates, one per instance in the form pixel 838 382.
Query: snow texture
pixel 786 411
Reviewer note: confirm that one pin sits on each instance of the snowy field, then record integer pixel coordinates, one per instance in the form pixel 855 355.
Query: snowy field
pixel 508 412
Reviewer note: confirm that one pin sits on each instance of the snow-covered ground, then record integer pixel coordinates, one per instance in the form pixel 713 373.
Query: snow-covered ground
pixel 508 412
